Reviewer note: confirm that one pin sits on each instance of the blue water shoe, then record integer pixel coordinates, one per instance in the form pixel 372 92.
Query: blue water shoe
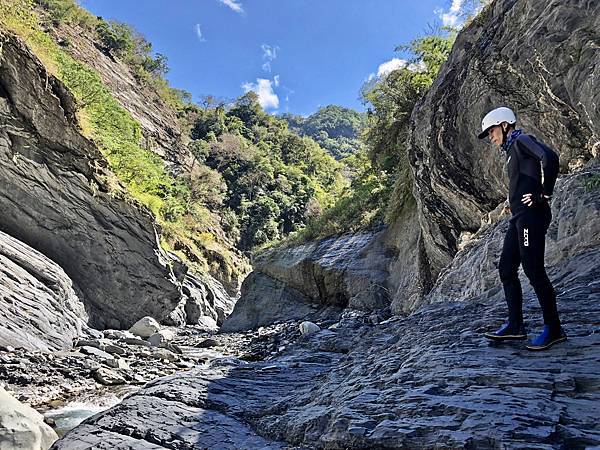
pixel 547 339
pixel 508 332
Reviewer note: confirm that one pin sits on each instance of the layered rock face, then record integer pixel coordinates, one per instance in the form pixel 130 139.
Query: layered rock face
pixel 39 309
pixel 540 58
pixel 53 197
pixel 361 271
pixel 571 245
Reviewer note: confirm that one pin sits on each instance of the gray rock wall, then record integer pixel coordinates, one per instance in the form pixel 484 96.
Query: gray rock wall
pixel 573 233
pixel 53 197
pixel 361 271
pixel 540 58
pixel 39 309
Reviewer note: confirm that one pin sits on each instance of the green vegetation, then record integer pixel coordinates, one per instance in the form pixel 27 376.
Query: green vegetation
pixel 275 179
pixel 336 129
pixel 381 184
pixel 592 182
pixel 252 180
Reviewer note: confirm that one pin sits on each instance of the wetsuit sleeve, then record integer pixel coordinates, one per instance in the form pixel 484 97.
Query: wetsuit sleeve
pixel 549 160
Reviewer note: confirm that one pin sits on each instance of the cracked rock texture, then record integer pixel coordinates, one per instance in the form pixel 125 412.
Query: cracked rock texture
pixel 540 58
pixel 41 310
pixel 360 271
pixel 53 198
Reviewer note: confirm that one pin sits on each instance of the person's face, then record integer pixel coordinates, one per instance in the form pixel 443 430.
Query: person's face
pixel 495 135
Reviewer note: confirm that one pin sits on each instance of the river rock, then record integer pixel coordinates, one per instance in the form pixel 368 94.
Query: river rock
pixel 117 334
pixel 96 352
pixel 161 337
pixel 207 323
pixel 21 427
pixel 108 377
pixel 145 327
pixel 307 328
pixel 137 341
pixel 117 364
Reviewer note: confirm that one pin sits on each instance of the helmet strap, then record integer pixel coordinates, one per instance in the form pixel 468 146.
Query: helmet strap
pixel 505 132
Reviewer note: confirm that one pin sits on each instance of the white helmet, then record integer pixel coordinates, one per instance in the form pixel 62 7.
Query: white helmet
pixel 496 117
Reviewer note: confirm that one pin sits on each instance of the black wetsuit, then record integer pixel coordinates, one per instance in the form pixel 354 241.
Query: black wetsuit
pixel 524 242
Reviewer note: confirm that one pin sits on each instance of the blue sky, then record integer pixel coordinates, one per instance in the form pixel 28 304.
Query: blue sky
pixel 298 55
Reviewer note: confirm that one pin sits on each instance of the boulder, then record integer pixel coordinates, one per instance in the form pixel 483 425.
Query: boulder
pixel 145 327
pixel 161 337
pixel 108 377
pixel 307 328
pixel 359 271
pixel 208 323
pixel 21 427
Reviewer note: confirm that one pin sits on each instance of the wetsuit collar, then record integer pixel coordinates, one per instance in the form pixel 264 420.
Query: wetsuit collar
pixel 510 139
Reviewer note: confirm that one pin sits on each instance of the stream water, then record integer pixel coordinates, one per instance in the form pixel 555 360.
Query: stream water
pixel 72 413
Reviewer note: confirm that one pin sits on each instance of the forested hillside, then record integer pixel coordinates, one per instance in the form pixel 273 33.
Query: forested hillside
pixel 335 128
pixel 229 177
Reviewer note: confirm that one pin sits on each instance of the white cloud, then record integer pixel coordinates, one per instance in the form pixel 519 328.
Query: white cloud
pixel 417 67
pixel 199 33
pixel 234 5
pixel 269 55
pixel 393 64
pixel 451 18
pixel 390 66
pixel 267 98
pixel 276 80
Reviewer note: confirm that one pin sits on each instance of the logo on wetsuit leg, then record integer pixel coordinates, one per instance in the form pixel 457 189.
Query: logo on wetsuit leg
pixel 526 237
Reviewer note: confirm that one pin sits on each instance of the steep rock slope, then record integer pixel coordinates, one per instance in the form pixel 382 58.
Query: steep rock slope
pixel 160 127
pixel 429 380
pixel 53 197
pixel 40 309
pixel 540 58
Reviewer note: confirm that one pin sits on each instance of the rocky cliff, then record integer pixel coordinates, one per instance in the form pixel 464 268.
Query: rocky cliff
pixel 540 58
pixel 54 198
pixel 429 380
pixel 361 271
pixel 40 308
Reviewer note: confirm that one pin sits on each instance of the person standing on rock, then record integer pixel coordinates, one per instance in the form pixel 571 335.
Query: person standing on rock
pixel 524 242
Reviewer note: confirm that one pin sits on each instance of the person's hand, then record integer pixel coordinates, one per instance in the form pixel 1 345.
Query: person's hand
pixel 534 199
